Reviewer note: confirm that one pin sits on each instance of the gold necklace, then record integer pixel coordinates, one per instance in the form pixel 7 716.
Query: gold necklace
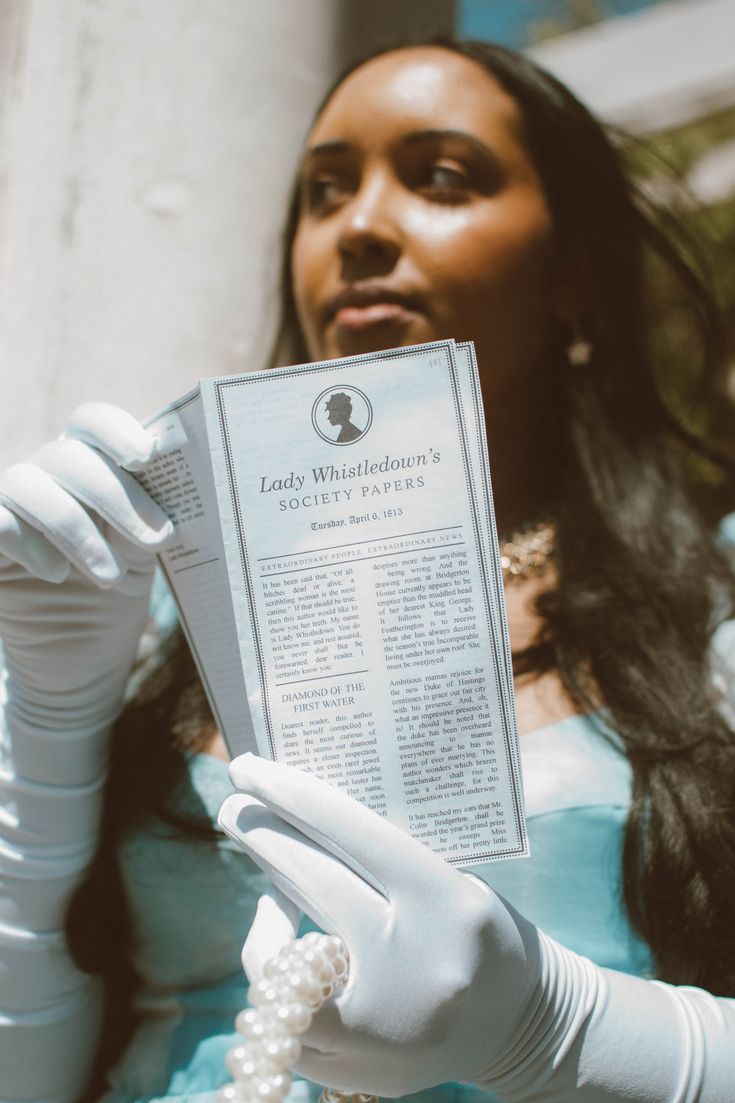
pixel 527 552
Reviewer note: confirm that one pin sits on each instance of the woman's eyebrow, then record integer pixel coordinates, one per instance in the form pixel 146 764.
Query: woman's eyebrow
pixel 418 136
pixel 415 137
pixel 323 148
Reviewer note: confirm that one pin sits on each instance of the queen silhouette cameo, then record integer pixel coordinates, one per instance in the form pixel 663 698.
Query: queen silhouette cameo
pixel 342 416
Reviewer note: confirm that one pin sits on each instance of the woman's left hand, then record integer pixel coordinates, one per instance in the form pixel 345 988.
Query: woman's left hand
pixel 447 981
pixel 444 975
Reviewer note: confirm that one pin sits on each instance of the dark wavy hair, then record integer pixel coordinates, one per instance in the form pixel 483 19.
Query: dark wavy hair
pixel 641 584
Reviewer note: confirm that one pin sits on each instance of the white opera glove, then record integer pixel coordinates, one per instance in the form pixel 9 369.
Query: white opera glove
pixel 78 537
pixel 447 981
pixel 427 945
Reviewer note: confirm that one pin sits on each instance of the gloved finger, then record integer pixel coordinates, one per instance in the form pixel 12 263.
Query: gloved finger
pixel 381 853
pixel 140 564
pixel 276 923
pixel 341 1068
pixel 108 490
pixel 33 496
pixel 113 431
pixel 333 895
pixel 23 544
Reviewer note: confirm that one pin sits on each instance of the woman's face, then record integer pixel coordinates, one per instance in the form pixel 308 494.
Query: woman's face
pixel 422 217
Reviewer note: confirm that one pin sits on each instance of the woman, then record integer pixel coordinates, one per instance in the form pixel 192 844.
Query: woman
pixel 447 191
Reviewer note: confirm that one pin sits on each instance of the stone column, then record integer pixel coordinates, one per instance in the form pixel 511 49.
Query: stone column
pixel 147 154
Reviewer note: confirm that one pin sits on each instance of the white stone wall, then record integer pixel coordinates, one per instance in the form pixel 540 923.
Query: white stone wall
pixel 147 153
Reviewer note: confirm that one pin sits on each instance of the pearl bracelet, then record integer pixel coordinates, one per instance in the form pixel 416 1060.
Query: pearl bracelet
pixel 302 976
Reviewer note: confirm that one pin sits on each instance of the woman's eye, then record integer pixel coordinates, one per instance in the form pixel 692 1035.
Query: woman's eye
pixel 321 193
pixel 447 181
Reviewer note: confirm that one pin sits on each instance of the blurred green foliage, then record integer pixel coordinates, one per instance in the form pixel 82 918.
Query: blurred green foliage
pixel 662 165
pixel 714 225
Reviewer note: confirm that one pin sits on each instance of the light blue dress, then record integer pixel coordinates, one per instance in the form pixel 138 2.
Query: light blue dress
pixel 193 902
pixel 192 905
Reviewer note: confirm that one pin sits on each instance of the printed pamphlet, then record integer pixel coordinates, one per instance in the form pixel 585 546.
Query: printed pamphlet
pixel 337 575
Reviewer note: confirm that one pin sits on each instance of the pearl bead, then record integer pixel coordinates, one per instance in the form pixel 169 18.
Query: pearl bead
pixel 263 993
pixel 227 1094
pixel 253 1047
pixel 277 1028
pixel 331 945
pixel 311 939
pixel 246 1091
pixel 339 964
pixel 305 989
pixel 245 1017
pixel 238 1057
pixel 272 1087
pixel 282 1052
pixel 230 1093
pixel 314 959
pixel 251 1023
pixel 243 1070
pixel 295 1017
pixel 319 965
pixel 290 1049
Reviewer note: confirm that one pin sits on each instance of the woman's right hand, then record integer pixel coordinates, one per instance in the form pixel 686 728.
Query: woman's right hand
pixel 78 540
pixel 73 504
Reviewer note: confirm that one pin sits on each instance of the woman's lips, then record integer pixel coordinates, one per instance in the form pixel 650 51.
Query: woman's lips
pixel 356 318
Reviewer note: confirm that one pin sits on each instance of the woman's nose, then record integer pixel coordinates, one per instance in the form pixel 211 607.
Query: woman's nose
pixel 370 238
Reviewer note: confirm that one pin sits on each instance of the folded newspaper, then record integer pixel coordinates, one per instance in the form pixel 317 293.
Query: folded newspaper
pixel 337 576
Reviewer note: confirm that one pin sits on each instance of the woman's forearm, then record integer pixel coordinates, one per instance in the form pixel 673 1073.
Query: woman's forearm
pixel 607 1037
pixel 73 599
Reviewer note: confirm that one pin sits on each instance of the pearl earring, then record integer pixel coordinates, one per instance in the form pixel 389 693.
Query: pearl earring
pixel 579 350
